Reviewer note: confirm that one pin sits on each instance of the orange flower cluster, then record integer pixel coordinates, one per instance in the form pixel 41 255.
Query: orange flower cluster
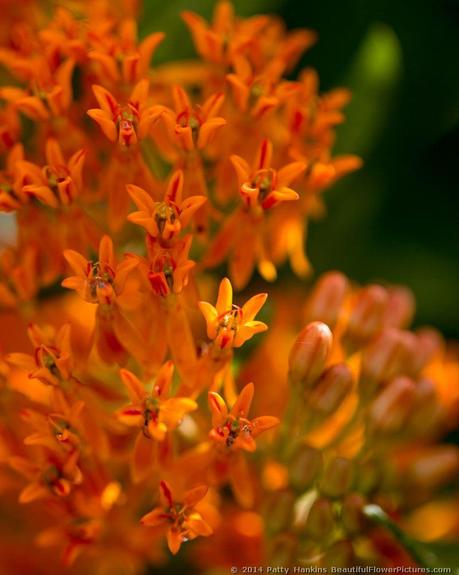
pixel 130 420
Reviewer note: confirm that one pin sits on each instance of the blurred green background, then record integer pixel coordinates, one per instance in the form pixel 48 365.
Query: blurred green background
pixel 396 220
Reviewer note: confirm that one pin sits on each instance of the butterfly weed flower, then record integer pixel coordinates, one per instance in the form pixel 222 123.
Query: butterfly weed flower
pixel 182 519
pixel 142 181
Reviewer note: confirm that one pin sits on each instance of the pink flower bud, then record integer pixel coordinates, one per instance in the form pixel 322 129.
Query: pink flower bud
pixel 434 467
pixel 309 353
pixel 305 466
pixel 331 389
pixel 389 355
pixel 367 316
pixel 326 300
pixel 400 307
pixel 320 521
pixel 337 477
pixel 390 409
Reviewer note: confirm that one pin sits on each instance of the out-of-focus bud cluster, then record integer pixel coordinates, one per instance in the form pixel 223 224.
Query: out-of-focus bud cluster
pixel 371 405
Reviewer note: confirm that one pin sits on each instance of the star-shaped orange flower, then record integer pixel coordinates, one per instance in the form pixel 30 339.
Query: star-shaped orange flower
pixel 263 186
pixel 154 412
pixel 101 281
pixel 123 123
pixel 164 220
pixel 182 519
pixel 230 325
pixel 232 428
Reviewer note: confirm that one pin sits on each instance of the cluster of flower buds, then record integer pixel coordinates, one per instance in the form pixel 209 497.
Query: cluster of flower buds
pixel 136 415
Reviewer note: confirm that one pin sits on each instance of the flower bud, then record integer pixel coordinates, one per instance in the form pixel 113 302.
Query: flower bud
pixel 387 356
pixel 309 353
pixel 434 467
pixel 320 521
pixel 337 477
pixel 331 389
pixel 428 343
pixel 367 316
pixel 400 307
pixel 390 409
pixel 326 300
pixel 368 477
pixel 279 509
pixel 305 466
pixel 427 411
pixel 352 516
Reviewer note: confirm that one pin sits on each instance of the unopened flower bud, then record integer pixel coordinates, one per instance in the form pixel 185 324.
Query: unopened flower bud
pixel 352 516
pixel 427 411
pixel 400 307
pixel 305 466
pixel 387 356
pixel 320 521
pixel 390 409
pixel 331 389
pixel 434 467
pixel 368 477
pixel 309 353
pixel 367 316
pixel 326 300
pixel 279 509
pixel 428 343
pixel 339 554
pixel 337 477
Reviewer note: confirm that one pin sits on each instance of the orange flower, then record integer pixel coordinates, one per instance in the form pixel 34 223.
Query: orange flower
pixel 125 124
pixel 59 182
pixel 52 360
pixel 231 428
pixel 226 36
pixel 102 281
pixel 230 325
pixel 262 185
pixel 167 269
pixel 56 430
pixel 53 476
pixel 182 519
pixel 259 93
pixel 164 220
pixel 119 56
pixel 188 126
pixel 152 412
pixel 50 92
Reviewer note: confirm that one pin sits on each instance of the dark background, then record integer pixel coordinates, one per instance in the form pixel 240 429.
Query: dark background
pixel 395 220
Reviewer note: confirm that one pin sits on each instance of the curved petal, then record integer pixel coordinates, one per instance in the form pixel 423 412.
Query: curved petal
pixel 195 495
pixel 242 406
pixel 225 297
pixel 155 518
pixel 134 386
pixel 141 198
pixel 253 306
pixel 210 315
pixel 107 125
pixel 242 169
pixel 218 409
pixel 260 424
pixel 77 262
pixel 290 172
